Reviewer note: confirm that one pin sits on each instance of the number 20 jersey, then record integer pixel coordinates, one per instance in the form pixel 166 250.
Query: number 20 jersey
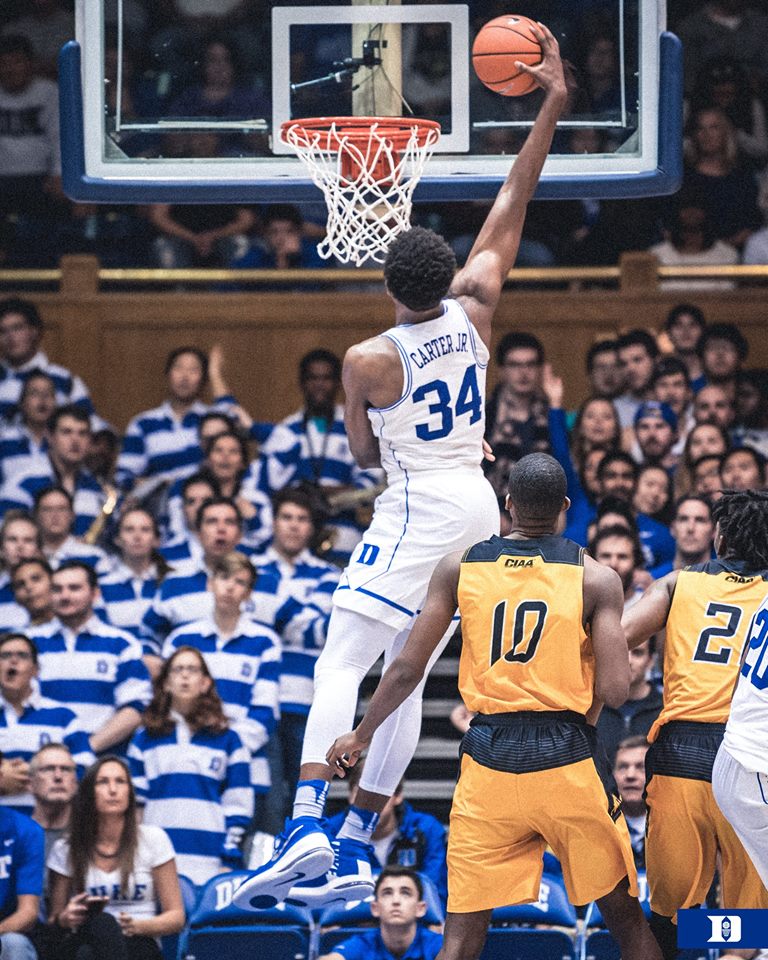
pixel 711 610
pixel 439 420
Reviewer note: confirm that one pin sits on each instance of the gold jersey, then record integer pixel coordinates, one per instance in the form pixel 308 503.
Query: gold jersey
pixel 524 645
pixel 711 610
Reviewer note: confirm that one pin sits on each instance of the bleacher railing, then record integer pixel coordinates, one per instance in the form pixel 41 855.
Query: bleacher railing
pixel 634 270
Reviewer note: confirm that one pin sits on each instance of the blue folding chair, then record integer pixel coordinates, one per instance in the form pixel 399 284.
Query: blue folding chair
pixel 351 918
pixel 598 944
pixel 170 944
pixel 523 931
pixel 218 929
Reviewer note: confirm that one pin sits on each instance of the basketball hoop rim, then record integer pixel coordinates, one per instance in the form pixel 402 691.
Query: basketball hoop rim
pixel 398 130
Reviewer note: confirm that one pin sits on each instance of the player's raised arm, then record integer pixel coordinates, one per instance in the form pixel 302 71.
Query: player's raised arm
pixel 480 281
pixel 649 614
pixel 604 600
pixel 405 672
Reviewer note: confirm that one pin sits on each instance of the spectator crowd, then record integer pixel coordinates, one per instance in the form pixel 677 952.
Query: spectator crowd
pixel 165 593
pixel 208 60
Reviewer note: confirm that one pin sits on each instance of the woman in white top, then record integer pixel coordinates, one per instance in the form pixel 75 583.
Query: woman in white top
pixel 108 875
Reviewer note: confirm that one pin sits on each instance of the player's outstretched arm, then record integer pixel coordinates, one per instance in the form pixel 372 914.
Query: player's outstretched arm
pixel 604 600
pixel 405 672
pixel 480 281
pixel 649 614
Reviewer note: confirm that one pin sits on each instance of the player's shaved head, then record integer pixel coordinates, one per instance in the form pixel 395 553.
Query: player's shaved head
pixel 537 487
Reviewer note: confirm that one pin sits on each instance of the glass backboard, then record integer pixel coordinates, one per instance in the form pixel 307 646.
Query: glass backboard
pixel 194 113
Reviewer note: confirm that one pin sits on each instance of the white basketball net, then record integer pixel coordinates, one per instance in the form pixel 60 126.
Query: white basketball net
pixel 368 174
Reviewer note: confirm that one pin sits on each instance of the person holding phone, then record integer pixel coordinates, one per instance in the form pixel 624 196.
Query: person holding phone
pixel 113 883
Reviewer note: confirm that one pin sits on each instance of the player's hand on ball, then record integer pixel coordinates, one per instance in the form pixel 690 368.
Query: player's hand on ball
pixel 549 73
pixel 345 753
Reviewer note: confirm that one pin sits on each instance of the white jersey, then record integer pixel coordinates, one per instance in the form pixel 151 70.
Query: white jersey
pixel 437 500
pixel 746 734
pixel 439 421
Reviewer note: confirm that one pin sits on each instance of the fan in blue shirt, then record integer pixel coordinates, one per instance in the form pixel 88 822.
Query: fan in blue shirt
pixel 22 863
pixel 398 905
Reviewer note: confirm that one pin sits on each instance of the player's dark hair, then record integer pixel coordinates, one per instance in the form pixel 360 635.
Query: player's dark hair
pixel 537 487
pixel 685 310
pixel 395 871
pixel 639 338
pixel 743 519
pixel 518 340
pixel 419 268
pixel 88 570
pixel 724 331
pixel 602 346
pixel 319 356
pixel 201 356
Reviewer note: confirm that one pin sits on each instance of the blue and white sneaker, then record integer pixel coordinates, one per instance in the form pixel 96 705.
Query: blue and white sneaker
pixel 303 852
pixel 350 878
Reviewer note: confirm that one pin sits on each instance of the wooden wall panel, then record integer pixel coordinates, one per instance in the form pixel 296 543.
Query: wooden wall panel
pixel 118 341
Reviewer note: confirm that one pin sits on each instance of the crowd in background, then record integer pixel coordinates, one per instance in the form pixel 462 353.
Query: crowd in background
pixel 183 59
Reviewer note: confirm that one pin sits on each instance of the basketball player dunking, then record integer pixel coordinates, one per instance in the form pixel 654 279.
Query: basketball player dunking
pixel 414 405
pixel 542 637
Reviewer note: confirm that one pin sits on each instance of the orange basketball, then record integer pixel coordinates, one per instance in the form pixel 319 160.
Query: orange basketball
pixel 497 46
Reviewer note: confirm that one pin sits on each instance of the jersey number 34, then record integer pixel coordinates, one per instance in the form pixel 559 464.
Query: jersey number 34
pixel 468 401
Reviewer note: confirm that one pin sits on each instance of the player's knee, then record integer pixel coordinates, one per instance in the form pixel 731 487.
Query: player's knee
pixel 336 676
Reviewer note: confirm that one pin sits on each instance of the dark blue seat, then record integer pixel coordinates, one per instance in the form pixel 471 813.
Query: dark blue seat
pixel 170 944
pixel 218 929
pixel 523 931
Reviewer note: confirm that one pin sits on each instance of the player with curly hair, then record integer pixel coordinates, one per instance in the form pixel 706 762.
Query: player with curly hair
pixel 415 406
pixel 707 609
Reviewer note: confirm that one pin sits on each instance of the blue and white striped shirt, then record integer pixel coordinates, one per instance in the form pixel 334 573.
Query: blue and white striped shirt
pixel 306 592
pixel 182 549
pixel 12 615
pixel 257 530
pixel 74 549
pixel 41 721
pixel 96 671
pixel 127 597
pixel 35 474
pixel 69 388
pixel 196 786
pixel 184 597
pixel 16 445
pixel 157 442
pixel 246 668
pixel 300 449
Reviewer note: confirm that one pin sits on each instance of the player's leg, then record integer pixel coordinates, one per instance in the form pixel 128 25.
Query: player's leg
pixel 304 851
pixel 624 918
pixel 394 743
pixel 742 796
pixel 464 935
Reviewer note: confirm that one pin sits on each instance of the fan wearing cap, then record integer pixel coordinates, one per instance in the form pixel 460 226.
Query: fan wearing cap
pixel 655 427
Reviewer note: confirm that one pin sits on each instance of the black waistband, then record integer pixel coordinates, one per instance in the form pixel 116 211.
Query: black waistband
pixel 528 716
pixel 692 727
